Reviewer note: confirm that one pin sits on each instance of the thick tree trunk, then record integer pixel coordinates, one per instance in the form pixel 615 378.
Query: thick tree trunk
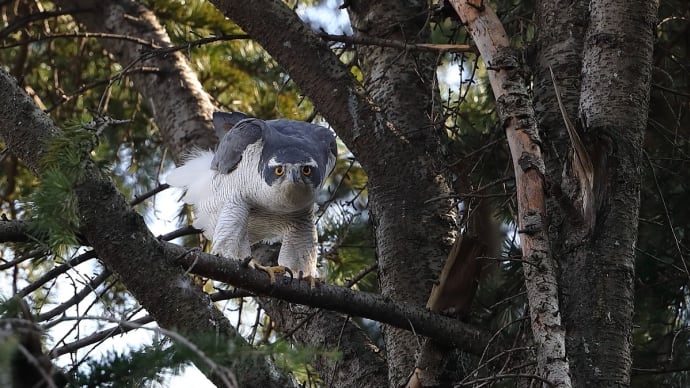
pixel 560 36
pixel 601 58
pixel 598 267
pixel 412 236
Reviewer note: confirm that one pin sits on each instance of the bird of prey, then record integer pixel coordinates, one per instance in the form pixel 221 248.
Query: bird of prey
pixel 260 185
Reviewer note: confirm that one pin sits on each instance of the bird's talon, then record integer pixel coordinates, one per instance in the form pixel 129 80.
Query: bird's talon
pixel 312 280
pixel 247 262
pixel 270 270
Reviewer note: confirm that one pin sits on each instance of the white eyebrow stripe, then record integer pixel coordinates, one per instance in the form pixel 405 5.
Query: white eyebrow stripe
pixel 273 162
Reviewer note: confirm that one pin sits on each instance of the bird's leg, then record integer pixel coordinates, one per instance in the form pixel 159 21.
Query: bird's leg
pixel 299 251
pixel 230 238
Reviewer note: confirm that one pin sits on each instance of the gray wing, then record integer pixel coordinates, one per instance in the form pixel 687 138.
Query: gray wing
pixel 234 142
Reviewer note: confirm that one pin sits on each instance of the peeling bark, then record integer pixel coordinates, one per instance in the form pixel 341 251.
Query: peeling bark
pixel 517 118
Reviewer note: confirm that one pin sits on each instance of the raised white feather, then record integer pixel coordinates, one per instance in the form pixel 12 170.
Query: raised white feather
pixel 196 178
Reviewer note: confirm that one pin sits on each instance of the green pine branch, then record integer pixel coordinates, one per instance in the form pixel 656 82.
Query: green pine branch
pixel 54 203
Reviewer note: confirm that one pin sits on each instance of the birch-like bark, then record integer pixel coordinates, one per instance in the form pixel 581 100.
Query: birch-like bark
pixel 517 117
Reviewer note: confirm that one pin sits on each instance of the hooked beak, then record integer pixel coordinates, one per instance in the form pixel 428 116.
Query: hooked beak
pixel 294 175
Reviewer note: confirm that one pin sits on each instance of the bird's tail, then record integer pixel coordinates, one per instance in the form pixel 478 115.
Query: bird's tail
pixel 196 177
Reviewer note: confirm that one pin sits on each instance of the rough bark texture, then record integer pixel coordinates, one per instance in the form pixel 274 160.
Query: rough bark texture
pixel 517 118
pixel 560 36
pixel 180 107
pixel 392 139
pixel 411 242
pixel 598 271
pixel 123 241
pixel 600 52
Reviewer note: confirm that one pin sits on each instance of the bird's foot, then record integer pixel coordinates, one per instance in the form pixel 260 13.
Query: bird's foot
pixel 312 280
pixel 272 271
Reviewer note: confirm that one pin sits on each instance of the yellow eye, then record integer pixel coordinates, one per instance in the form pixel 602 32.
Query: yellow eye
pixel 306 170
pixel 279 171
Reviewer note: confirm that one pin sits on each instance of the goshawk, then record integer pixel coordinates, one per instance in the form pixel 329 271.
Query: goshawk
pixel 260 185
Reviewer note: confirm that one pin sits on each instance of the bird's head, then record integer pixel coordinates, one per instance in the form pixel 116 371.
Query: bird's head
pixel 296 179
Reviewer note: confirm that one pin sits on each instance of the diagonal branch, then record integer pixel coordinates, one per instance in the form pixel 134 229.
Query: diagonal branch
pixel 402 45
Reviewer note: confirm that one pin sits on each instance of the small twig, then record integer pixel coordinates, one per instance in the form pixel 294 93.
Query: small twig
pixel 184 231
pixel 100 123
pixel 161 51
pixel 70 35
pixel 76 298
pixel 227 294
pixel 225 375
pixel 55 272
pixel 31 255
pixel 508 376
pixel 371 41
pixel 142 197
pixel 667 214
pixel 98 337
pixel 355 279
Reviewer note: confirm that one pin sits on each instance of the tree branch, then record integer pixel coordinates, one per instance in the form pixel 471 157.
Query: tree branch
pixel 99 336
pixel 517 117
pixel 341 299
pixel 76 298
pixel 14 231
pixel 402 45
